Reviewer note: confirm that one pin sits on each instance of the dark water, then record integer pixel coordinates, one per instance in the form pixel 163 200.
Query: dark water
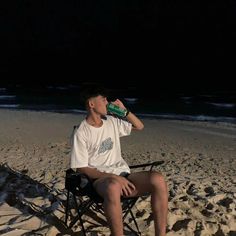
pixel 219 105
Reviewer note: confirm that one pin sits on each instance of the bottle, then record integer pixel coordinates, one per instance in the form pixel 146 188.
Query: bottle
pixel 114 109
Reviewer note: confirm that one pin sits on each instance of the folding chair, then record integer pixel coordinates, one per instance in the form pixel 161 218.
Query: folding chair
pixel 81 194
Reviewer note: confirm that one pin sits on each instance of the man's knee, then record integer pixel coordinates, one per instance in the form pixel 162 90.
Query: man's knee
pixel 157 180
pixel 112 189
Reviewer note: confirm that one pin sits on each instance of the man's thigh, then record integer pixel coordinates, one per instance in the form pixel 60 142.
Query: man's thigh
pixel 142 183
pixel 100 185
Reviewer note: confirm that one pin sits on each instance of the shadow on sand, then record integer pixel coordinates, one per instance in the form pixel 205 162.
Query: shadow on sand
pixel 29 206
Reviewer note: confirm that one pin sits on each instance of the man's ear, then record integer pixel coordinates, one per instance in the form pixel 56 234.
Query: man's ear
pixel 90 103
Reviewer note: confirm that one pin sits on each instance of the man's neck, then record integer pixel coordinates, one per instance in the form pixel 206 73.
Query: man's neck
pixel 94 120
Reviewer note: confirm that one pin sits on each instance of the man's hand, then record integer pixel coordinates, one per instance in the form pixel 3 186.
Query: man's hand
pixel 119 103
pixel 126 186
pixel 133 119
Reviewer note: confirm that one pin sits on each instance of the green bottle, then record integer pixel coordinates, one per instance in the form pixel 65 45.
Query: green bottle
pixel 114 109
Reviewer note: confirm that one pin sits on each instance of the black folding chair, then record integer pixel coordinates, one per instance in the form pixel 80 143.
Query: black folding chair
pixel 82 197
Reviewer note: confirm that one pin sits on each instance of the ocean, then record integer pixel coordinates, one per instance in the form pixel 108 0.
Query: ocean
pixel 214 106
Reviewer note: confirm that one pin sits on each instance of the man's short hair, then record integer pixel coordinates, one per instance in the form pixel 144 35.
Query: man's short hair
pixel 92 91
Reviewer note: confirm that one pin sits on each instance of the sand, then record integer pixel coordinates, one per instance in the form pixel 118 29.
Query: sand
pixel 199 167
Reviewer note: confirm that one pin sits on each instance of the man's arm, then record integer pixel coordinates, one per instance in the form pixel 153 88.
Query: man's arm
pixel 132 118
pixel 135 121
pixel 93 173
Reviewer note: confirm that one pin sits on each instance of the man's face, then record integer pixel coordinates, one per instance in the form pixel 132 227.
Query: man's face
pixel 99 104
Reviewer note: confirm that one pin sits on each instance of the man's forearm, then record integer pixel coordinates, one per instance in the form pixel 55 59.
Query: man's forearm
pixel 93 173
pixel 135 121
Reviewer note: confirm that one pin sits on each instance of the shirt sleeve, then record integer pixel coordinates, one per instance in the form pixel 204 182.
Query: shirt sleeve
pixel 124 127
pixel 79 153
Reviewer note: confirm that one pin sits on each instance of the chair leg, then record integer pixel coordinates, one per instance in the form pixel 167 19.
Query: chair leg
pixel 129 207
pixel 67 206
pixel 87 205
pixel 135 222
pixel 78 217
pixel 132 230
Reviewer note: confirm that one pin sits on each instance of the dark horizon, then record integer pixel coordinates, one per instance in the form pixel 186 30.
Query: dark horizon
pixel 146 87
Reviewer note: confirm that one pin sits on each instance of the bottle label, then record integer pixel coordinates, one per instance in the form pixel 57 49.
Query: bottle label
pixel 114 109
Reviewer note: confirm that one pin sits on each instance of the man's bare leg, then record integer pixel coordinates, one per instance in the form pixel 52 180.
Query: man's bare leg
pixel 154 183
pixel 159 202
pixel 110 190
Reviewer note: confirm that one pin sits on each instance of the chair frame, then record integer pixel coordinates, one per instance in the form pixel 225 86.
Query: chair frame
pixel 75 188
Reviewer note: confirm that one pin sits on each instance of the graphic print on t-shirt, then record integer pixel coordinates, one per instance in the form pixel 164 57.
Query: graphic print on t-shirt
pixel 107 144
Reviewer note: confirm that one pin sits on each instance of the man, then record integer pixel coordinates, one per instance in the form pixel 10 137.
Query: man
pixel 96 152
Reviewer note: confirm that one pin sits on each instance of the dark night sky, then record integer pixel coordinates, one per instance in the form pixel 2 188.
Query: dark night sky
pixel 176 43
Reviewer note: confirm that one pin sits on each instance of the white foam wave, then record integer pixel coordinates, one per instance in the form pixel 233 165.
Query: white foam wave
pixel 222 105
pixel 7 97
pixel 190 117
pixel 9 105
pixel 131 100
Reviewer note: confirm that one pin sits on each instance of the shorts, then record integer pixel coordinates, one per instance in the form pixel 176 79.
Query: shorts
pixel 124 174
pixel 92 192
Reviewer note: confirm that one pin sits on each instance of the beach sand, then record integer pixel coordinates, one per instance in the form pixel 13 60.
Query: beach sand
pixel 200 169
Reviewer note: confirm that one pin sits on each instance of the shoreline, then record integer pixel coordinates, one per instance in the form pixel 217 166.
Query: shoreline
pixel 200 169
pixel 158 116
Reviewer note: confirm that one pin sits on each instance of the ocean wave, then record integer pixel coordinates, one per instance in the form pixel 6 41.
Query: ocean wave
pixel 190 117
pixel 222 105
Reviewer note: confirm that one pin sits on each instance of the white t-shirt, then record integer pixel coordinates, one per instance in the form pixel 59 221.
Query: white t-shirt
pixel 100 147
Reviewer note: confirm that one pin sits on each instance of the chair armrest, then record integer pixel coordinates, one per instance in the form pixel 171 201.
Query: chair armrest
pixel 80 184
pixel 75 179
pixel 151 165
